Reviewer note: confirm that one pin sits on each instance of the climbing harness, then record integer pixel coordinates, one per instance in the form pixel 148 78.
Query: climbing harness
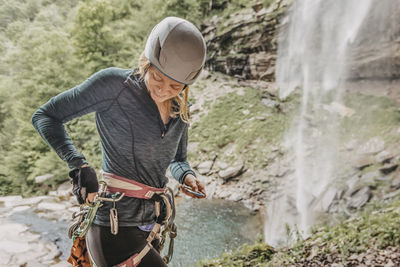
pixel 116 188
pixel 163 197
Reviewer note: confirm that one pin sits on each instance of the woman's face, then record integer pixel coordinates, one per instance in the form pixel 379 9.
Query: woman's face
pixel 161 87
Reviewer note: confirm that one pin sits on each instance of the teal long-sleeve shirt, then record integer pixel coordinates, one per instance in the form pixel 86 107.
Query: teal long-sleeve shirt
pixel 135 142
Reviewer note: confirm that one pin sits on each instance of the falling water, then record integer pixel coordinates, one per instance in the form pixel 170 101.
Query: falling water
pixel 313 55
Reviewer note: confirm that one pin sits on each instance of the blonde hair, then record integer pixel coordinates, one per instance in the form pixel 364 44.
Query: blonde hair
pixel 180 101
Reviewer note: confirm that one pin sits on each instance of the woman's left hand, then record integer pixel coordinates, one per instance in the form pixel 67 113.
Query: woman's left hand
pixel 196 185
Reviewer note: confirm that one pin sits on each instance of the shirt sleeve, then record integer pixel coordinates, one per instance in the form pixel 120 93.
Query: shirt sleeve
pixel 179 166
pixel 95 94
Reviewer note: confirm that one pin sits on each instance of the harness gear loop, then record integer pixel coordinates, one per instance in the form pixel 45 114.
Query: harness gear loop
pixel 172 234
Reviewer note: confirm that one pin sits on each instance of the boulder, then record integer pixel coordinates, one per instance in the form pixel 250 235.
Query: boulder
pixel 372 146
pixel 33 200
pixel 192 147
pixel 51 206
pixel 42 178
pixel 269 103
pixel 251 205
pixel 328 198
pixel 277 169
pixel 236 197
pixel 392 194
pixel 20 209
pixel 359 197
pixel 221 165
pixel 231 172
pixel 385 156
pixel 388 168
pixel 351 145
pixel 64 190
pixel 396 180
pixel 205 167
pixel 9 201
pixel 257 7
pixel 370 177
pixel 364 162
pixel 14 247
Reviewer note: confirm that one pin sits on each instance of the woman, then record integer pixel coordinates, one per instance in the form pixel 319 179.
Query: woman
pixel 142 120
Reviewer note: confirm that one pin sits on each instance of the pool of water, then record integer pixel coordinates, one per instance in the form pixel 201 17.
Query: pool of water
pixel 206 228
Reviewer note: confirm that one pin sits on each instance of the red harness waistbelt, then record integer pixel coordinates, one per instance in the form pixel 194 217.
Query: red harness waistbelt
pixel 131 188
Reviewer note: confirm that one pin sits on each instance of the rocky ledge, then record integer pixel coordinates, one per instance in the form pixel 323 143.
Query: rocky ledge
pixel 21 245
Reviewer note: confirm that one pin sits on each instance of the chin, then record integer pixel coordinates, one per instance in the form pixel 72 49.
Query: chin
pixel 158 99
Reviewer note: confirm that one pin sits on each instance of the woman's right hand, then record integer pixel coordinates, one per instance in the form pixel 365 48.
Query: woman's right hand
pixel 90 196
pixel 85 184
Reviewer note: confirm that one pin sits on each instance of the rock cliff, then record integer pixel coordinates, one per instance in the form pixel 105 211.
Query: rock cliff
pixel 245 44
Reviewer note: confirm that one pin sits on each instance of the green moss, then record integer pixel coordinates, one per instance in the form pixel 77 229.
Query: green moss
pixel 374 116
pixel 242 121
pixel 247 255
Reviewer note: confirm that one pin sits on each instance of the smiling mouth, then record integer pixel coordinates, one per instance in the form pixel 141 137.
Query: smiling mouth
pixel 158 95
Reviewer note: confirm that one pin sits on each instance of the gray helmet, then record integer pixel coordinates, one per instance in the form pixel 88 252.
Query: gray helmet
pixel 176 47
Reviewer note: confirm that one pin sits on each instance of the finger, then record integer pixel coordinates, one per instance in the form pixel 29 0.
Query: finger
pixel 194 187
pixel 192 184
pixel 91 196
pixel 202 188
pixel 187 192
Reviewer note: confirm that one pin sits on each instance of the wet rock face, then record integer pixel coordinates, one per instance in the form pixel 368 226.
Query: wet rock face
pixel 245 44
pixel 375 51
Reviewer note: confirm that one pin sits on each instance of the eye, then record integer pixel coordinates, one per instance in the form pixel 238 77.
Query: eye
pixel 157 78
pixel 176 88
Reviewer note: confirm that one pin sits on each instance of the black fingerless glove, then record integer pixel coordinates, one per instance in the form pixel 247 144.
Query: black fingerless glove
pixel 84 181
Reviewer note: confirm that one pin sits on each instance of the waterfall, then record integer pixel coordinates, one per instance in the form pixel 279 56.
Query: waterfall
pixel 313 52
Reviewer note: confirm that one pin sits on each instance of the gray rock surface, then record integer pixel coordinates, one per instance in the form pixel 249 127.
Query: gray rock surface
pixel 269 103
pixel 364 162
pixel 231 172
pixel 372 146
pixel 205 167
pixel 359 198
pixel 42 178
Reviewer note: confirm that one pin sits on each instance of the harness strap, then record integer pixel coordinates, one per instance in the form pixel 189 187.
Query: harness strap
pixel 136 258
pixel 131 188
pixel 154 233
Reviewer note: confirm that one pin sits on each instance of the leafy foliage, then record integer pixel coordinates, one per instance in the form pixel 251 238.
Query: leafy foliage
pixel 48 46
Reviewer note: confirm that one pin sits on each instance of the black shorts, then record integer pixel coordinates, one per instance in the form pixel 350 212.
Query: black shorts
pixel 107 250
